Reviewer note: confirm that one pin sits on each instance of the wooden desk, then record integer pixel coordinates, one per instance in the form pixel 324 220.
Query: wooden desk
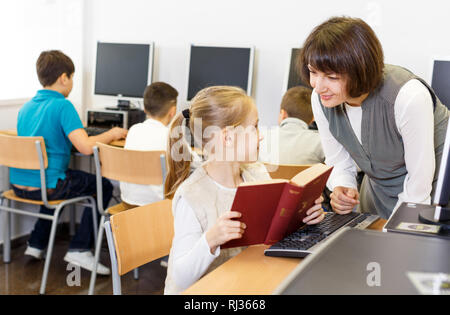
pixel 117 143
pixel 121 143
pixel 251 272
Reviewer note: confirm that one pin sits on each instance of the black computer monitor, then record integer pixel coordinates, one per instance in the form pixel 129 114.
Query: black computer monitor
pixel 123 70
pixel 293 77
pixel 441 213
pixel 212 65
pixel 440 79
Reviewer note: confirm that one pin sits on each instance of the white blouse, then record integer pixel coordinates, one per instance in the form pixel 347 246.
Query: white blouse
pixel 413 110
pixel 191 253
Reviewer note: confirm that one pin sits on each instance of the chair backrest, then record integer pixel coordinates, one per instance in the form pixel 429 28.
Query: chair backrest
pixel 142 234
pixel 137 167
pixel 285 171
pixel 21 152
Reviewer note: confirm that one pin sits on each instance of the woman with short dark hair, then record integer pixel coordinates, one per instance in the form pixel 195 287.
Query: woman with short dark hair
pixel 381 117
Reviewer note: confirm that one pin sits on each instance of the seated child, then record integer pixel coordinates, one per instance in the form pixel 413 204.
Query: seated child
pixel 160 103
pixel 228 137
pixel 293 142
pixel 50 115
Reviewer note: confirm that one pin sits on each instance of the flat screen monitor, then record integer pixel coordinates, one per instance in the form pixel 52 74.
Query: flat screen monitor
pixel 123 69
pixel 440 80
pixel 292 77
pixel 213 65
pixel 440 215
pixel 442 194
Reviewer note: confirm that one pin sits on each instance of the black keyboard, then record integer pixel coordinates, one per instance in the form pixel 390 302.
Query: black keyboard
pixel 304 241
pixel 94 131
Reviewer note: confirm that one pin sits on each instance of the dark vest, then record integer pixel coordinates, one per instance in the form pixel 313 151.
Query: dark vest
pixel 381 154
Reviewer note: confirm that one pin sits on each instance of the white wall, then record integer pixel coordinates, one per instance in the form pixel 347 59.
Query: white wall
pixel 410 32
pixel 27 28
pixel 21 226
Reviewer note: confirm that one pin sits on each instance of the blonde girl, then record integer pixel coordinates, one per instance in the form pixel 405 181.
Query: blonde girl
pixel 223 121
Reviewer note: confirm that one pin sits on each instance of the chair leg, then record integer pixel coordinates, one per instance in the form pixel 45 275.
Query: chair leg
pixel 49 251
pixel 94 217
pixel 72 220
pixel 7 236
pixel 136 273
pixel 98 247
pixel 117 288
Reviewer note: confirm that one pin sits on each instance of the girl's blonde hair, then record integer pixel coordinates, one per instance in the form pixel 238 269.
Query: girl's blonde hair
pixel 220 106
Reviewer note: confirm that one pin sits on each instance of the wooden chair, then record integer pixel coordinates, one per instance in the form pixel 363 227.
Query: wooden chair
pixel 137 167
pixel 138 236
pixel 285 171
pixel 30 153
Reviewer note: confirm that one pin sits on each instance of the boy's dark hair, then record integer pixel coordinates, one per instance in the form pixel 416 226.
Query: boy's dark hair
pixel 159 97
pixel 51 65
pixel 297 103
pixel 345 46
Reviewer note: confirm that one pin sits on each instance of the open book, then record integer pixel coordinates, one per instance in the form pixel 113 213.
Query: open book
pixel 275 208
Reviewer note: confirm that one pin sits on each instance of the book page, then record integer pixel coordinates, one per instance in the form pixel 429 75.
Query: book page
pixel 308 175
pixel 263 182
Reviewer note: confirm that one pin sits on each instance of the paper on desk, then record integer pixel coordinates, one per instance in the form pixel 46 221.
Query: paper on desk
pixel 430 283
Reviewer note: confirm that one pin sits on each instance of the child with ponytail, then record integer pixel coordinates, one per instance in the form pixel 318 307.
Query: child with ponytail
pixel 223 121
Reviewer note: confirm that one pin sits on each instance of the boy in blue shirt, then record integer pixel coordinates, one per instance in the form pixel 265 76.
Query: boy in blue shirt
pixel 50 115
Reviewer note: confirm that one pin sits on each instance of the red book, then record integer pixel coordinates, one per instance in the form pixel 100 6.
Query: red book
pixel 275 208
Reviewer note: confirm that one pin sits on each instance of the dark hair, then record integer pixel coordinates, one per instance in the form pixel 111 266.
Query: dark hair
pixel 346 46
pixel 297 103
pixel 51 65
pixel 159 97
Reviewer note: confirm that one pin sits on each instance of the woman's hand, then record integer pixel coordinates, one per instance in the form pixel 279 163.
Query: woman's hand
pixel 315 214
pixel 224 230
pixel 344 199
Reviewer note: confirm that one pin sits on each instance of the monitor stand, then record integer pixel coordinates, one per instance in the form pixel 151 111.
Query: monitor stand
pixel 124 108
pixel 427 216
pixel 122 105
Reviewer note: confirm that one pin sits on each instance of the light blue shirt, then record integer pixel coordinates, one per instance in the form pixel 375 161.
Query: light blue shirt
pixel 50 115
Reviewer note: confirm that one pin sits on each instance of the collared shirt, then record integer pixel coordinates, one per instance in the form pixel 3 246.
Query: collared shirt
pixel 50 115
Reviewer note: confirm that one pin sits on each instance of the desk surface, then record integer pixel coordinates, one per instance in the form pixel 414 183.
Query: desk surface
pixel 121 144
pixel 117 143
pixel 251 272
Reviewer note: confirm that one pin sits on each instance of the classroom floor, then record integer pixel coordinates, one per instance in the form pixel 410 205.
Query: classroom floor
pixel 23 274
